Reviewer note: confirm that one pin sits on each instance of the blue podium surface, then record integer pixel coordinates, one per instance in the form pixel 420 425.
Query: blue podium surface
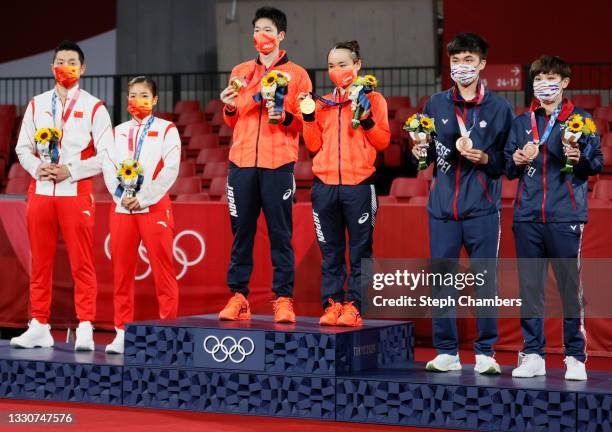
pixel 257 367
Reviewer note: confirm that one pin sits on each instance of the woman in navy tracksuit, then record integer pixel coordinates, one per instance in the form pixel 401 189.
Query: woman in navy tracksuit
pixel 550 211
pixel 465 196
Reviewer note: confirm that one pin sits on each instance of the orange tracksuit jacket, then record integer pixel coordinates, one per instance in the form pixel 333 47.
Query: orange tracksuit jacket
pixel 346 155
pixel 256 143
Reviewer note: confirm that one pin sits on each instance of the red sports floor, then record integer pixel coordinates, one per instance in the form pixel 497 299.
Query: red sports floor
pixel 102 418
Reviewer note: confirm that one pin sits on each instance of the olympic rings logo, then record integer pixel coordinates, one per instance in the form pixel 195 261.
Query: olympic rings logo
pixel 179 254
pixel 229 348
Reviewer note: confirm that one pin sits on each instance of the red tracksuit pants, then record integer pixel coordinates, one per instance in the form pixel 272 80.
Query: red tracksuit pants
pixel 156 230
pixel 74 215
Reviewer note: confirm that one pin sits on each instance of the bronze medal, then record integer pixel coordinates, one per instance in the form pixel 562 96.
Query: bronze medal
pixel 464 143
pixel 531 150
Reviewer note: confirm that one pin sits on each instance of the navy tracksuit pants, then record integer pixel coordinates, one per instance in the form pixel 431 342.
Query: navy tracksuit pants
pixel 337 209
pixel 536 243
pixel 250 190
pixel 480 236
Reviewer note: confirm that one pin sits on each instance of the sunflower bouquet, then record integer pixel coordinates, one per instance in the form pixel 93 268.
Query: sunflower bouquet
pixel 573 128
pixel 421 128
pixel 47 144
pixel 357 94
pixel 130 178
pixel 274 86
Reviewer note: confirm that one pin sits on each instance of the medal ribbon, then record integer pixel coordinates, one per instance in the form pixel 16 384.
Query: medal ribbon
pixel 549 127
pixel 462 128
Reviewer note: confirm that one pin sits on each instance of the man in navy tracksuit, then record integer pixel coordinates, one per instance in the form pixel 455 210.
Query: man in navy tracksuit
pixel 550 211
pixel 465 196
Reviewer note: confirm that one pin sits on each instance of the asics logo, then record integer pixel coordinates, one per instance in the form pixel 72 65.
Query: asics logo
pixel 287 194
pixel 229 348
pixel 364 217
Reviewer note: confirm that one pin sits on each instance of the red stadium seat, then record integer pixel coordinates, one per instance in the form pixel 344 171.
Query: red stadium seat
pixel 603 190
pixel 395 127
pixel 426 174
pixel 187 169
pixel 303 173
pixel 186 185
pixel 587 102
pixel 302 195
pixel 419 201
pixel 164 115
pixel 607 157
pixel 606 140
pixel 212 170
pixel 387 199
pixel 192 197
pixel 604 113
pixel 194 129
pixel 422 102
pixel 508 192
pixel 98 186
pixel 599 203
pixel 303 153
pixel 208 155
pixel 403 113
pixel 184 106
pixel 8 114
pixel 404 188
pixel 189 117
pixel 603 127
pixel 218 187
pixel 203 141
pixel 518 110
pixel 396 102
pixel 213 106
pixel 392 156
pixel 225 134
pixel 16 171
pixel 18 185
pixel 216 121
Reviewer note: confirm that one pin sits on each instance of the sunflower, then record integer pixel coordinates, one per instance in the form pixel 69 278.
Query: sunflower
pixel 575 125
pixel 371 81
pixel 426 122
pixel 57 134
pixel 270 79
pixel 42 135
pixel 282 80
pixel 129 169
pixel 590 124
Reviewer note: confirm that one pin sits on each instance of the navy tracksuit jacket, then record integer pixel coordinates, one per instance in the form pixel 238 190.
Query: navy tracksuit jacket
pixel 550 211
pixel 464 204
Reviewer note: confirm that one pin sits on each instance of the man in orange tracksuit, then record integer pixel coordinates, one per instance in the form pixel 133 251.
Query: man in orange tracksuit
pixel 343 195
pixel 262 157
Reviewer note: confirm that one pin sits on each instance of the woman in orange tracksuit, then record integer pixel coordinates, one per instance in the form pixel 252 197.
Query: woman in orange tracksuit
pixel 343 195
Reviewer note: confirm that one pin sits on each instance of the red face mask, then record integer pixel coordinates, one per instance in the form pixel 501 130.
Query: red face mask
pixel 264 43
pixel 66 75
pixel 140 108
pixel 342 77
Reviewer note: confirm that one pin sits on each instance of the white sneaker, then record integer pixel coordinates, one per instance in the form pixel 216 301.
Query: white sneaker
pixel 531 365
pixel 84 337
pixel 36 336
pixel 444 363
pixel 116 346
pixel 576 370
pixel 486 365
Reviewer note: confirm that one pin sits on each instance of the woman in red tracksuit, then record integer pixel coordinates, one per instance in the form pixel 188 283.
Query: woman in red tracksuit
pixel 343 195
pixel 147 215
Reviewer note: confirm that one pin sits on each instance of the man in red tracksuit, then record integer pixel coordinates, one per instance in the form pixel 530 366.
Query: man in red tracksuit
pixel 60 193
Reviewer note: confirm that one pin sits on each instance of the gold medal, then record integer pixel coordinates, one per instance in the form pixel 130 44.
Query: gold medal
pixel 531 150
pixel 308 106
pixel 464 143
pixel 236 84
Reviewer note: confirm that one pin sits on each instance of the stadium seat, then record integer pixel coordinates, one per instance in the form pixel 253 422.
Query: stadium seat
pixel 395 127
pixel 508 191
pixel 404 188
pixel 607 157
pixel 18 186
pixel 387 199
pixel 603 127
pixel 216 121
pixel 422 102
pixel 604 113
pixel 8 114
pixel 392 156
pixel 184 106
pixel 207 155
pixel 16 170
pixel 403 113
pixel 212 170
pixel 192 197
pixel 426 174
pixel 202 141
pixel 603 190
pixel 186 185
pixel 164 115
pixel 303 173
pixel 599 203
pixel 194 129
pixel 189 117
pixel 225 134
pixel 213 106
pixel 606 140
pixel 302 195
pixel 587 102
pixel 518 110
pixel 418 201
pixel 218 187
pixel 187 169
pixel 303 153
pixel 394 103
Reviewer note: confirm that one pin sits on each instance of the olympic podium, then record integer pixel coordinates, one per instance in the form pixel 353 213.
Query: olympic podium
pixel 364 375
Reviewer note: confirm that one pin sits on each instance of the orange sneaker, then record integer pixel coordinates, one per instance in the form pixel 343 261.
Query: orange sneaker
pixel 237 308
pixel 283 310
pixel 331 314
pixel 350 316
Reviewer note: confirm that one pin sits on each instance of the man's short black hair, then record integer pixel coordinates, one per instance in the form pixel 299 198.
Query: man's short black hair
pixel 468 42
pixel 276 16
pixel 69 46
pixel 550 64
